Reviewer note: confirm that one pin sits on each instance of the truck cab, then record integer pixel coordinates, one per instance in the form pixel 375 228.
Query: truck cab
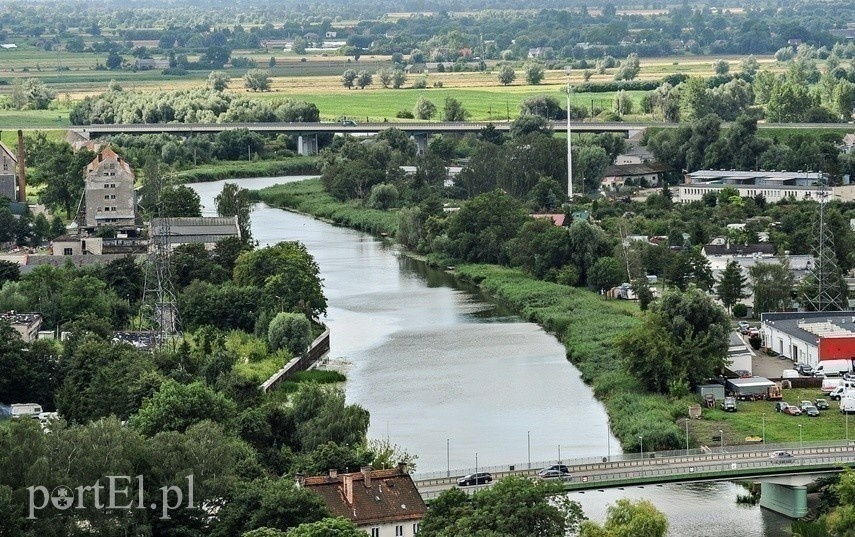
pixel 729 404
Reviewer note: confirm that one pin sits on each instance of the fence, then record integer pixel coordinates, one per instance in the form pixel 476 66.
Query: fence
pixel 317 350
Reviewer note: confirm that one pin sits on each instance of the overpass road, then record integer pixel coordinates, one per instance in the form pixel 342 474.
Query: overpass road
pixel 734 462
pixel 413 127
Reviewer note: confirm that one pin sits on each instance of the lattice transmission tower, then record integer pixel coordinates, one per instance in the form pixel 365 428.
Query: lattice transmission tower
pixel 159 291
pixel 823 291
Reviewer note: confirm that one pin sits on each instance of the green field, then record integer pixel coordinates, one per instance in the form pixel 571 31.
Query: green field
pixel 748 421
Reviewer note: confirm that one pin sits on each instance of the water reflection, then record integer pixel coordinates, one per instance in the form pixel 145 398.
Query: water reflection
pixel 437 365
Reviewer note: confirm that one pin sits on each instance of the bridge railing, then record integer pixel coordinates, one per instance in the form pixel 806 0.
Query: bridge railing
pixel 635 459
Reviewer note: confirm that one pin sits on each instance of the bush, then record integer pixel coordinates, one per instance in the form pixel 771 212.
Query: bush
pixel 420 83
pixel 291 331
pixel 740 310
pixel 405 114
pixel 608 87
pixel 383 197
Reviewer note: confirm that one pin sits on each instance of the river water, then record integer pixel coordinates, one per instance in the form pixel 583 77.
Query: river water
pixel 453 378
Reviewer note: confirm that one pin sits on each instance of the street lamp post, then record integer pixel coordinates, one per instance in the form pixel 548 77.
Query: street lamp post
pixel 641 441
pixel 687 436
pixel 569 147
pixel 764 428
pixel 447 457
pixel 528 437
pixel 800 436
pixel 476 471
pixel 559 453
pixel 721 440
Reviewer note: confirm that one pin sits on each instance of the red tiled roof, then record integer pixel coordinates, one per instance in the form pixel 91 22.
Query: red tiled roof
pixel 557 219
pixel 108 153
pixel 387 496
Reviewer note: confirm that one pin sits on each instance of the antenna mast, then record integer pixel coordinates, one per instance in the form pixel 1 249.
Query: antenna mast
pixel 822 291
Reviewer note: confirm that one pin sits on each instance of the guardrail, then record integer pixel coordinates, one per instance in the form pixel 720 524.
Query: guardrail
pixel 649 458
pixel 683 469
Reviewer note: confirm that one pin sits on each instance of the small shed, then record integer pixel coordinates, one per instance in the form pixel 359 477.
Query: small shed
pixel 717 390
pixel 749 387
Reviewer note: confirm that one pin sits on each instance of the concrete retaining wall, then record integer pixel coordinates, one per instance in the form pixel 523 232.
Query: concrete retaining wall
pixel 319 348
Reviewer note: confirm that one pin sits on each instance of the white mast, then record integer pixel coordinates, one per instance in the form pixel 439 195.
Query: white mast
pixel 569 148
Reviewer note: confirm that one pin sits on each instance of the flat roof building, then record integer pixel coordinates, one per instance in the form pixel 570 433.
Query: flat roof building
pixel 810 336
pixel 26 324
pixel 772 185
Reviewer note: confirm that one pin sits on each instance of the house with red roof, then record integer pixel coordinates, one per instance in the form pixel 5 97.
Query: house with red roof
pixel 383 503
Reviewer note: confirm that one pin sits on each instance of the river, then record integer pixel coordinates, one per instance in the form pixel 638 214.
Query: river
pixel 453 378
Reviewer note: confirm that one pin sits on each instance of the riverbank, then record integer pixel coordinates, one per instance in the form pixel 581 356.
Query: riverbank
pixel 244 169
pixel 584 322
pixel 309 197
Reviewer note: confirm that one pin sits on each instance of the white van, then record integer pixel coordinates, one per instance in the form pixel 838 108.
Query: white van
pixel 840 392
pixel 847 404
pixel 829 385
pixel 833 368
pixel 26 410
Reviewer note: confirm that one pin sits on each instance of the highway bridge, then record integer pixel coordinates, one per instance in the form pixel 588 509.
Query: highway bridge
pixel 783 482
pixel 307 133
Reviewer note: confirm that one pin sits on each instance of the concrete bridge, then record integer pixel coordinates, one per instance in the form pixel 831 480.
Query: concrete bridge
pixel 783 484
pixel 307 133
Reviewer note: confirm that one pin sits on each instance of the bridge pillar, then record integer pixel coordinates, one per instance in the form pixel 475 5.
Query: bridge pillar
pixel 421 140
pixel 788 500
pixel 307 144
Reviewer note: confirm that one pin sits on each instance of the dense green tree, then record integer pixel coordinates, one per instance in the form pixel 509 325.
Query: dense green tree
pixel 257 80
pixel 175 407
pixel 218 81
pixel 480 229
pixel 179 201
pixel 627 518
pixel 424 109
pixel 328 527
pixel 629 69
pixel 681 341
pixel 101 378
pixel 125 277
pixel 348 78
pixel 60 172
pixel 515 506
pixel 399 78
pixel 364 78
pixel 545 106
pixel 234 201
pixel 453 110
pixel 291 331
pixel 721 67
pixel 286 271
pixel 606 273
pixel 265 503
pixel 534 73
pixel 587 244
pixel 539 247
pixel 772 284
pixel 9 272
pixel 689 267
pixel 731 285
pixel 31 94
pixel 506 75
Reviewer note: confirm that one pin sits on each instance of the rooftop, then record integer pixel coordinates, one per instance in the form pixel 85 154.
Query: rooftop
pixel 811 325
pixel 629 170
pixel 196 226
pixel 756 177
pixel 12 317
pixel 762 248
pixel 370 496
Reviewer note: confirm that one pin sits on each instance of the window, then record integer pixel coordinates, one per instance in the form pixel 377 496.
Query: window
pixel 399 531
pixel 415 528
pixel 106 196
pixel 375 532
pixel 67 251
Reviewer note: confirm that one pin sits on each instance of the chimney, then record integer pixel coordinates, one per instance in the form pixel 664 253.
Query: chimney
pixel 301 480
pixel 348 488
pixel 402 467
pixel 366 476
pixel 22 174
pixel 333 473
